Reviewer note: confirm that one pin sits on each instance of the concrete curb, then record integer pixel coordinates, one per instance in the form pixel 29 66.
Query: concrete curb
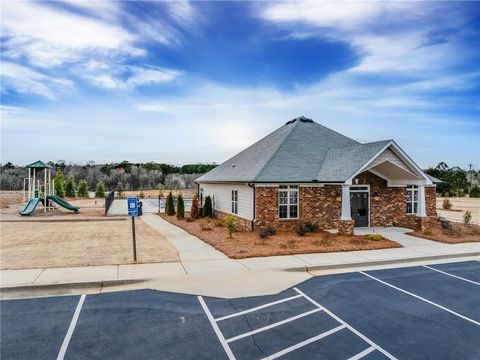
pixel 382 262
pixel 67 287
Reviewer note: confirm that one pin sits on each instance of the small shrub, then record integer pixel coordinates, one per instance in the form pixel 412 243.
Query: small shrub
pixel 70 187
pixel 428 232
pixel 445 223
pixel 189 219
pixel 231 224
pixel 475 192
pixel 169 208
pixel 180 207
pixel 194 209
pixel 302 230
pixel 283 246
pixel 141 195
pixel 82 189
pixel 59 184
pixel 311 227
pixel 100 190
pixel 467 217
pixel 267 232
pixel 374 237
pixel 447 204
pixel 207 207
pixel 219 223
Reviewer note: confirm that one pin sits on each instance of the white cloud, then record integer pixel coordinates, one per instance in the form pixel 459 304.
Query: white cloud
pixel 50 36
pixel 24 80
pixel 93 45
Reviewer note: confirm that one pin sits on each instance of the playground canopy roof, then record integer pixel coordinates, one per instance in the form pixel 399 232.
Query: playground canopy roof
pixel 39 165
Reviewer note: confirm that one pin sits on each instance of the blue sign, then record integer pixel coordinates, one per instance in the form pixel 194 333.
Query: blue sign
pixel 132 206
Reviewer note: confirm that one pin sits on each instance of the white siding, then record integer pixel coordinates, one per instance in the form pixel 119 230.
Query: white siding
pixel 389 155
pixel 223 198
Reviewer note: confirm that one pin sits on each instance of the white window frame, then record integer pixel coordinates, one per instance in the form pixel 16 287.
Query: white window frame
pixel 413 189
pixel 289 189
pixel 235 201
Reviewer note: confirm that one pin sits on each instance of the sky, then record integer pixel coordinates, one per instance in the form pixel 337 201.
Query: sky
pixel 186 82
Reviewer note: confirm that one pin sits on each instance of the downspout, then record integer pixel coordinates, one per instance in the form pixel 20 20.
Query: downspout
pixel 254 205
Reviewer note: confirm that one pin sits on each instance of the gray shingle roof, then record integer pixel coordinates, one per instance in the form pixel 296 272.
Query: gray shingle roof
pixel 299 151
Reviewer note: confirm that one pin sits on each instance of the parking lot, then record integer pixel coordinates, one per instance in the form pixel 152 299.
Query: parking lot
pixel 422 312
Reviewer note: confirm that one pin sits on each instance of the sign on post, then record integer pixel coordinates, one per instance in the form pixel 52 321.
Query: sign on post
pixel 132 206
pixel 133 211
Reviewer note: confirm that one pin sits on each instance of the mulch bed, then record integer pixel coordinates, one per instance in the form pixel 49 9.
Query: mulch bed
pixel 250 244
pixel 455 234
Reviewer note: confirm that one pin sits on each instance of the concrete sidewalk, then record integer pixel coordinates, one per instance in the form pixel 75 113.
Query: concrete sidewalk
pixel 198 259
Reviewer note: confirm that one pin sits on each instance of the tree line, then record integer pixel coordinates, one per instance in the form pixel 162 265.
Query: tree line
pixel 455 181
pixel 114 176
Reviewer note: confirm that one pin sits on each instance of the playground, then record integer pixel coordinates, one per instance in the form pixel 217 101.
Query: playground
pixel 39 229
pixel 37 191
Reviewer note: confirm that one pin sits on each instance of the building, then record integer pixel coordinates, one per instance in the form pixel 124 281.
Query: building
pixel 305 172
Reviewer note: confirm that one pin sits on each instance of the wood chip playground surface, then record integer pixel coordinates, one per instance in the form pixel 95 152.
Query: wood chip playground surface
pixel 45 244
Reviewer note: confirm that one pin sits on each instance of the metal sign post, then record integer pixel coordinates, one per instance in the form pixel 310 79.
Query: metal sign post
pixel 133 212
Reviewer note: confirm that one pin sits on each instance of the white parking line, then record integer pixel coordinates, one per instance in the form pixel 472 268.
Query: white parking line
pixel 303 343
pixel 258 308
pixel 271 326
pixel 216 328
pixel 455 276
pixel 69 334
pixel 358 333
pixel 363 353
pixel 421 298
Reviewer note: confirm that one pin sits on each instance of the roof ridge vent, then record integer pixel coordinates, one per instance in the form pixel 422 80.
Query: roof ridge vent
pixel 300 118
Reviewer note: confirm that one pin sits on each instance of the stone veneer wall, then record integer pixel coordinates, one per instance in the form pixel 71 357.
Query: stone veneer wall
pixel 242 224
pixel 322 205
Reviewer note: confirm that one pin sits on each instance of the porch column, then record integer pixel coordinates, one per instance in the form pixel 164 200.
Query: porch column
pixel 346 212
pixel 421 208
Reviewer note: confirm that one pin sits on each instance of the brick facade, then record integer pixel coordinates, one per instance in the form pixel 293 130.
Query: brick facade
pixel 242 224
pixel 322 205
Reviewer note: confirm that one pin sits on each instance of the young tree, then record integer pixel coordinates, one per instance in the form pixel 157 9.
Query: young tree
pixel 169 208
pixel 82 189
pixel 207 207
pixel 231 224
pixel 475 192
pixel 180 208
pixel 59 184
pixel 194 209
pixel 70 187
pixel 100 190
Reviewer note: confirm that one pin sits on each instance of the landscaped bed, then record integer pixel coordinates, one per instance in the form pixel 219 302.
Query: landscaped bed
pixel 449 232
pixel 249 244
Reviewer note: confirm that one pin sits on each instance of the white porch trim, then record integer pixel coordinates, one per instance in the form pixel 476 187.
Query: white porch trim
pixel 346 211
pixel 421 208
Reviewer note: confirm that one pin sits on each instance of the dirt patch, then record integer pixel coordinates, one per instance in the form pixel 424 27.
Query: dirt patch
pixel 27 245
pixel 459 206
pixel 8 198
pixel 250 244
pixel 455 234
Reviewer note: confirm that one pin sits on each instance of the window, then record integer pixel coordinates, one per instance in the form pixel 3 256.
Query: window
pixel 412 199
pixel 234 201
pixel 288 202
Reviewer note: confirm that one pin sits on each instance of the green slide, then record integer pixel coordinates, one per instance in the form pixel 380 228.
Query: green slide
pixel 62 203
pixel 30 207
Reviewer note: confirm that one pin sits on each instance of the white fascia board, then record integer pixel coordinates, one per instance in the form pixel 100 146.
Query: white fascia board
pixel 349 180
pixel 408 160
pixel 402 155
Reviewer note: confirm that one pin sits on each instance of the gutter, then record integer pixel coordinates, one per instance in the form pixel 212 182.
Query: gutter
pixel 254 204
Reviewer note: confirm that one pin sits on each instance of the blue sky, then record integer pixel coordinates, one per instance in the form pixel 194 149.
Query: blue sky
pixel 183 82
